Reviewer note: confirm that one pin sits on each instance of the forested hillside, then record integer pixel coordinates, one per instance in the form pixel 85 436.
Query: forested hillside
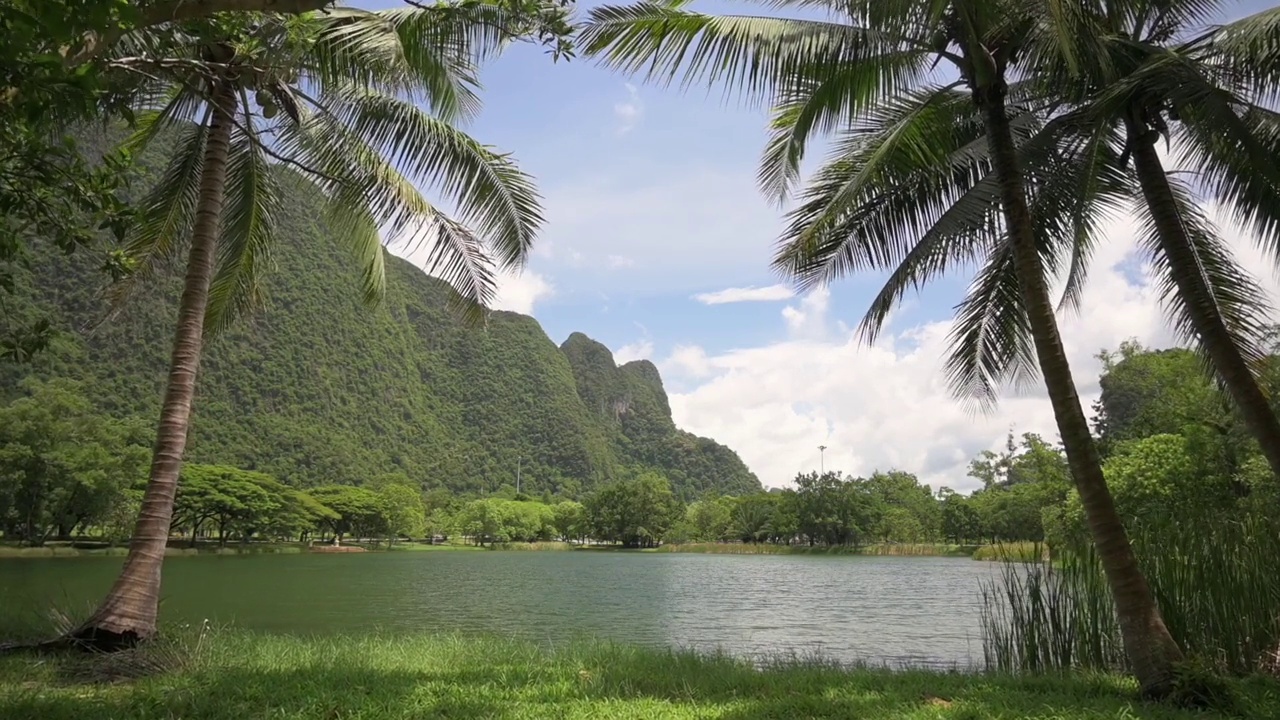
pixel 317 388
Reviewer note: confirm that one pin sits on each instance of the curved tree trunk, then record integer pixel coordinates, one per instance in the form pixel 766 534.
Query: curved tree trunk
pixel 128 613
pixel 1151 650
pixel 1215 338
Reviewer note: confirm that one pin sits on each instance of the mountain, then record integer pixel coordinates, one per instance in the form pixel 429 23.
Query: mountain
pixel 317 388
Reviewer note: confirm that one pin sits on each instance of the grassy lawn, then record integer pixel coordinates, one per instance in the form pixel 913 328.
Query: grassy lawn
pixel 239 676
pixel 885 549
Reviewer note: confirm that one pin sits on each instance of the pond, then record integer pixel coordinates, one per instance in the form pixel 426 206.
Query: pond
pixel 895 610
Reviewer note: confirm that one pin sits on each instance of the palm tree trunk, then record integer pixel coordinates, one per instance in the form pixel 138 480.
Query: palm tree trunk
pixel 128 613
pixel 1215 338
pixel 1150 649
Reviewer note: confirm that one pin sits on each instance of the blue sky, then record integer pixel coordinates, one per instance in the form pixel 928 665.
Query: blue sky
pixel 651 201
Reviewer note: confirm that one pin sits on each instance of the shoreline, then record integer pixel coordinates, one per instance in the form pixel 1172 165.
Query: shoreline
pixel 1022 552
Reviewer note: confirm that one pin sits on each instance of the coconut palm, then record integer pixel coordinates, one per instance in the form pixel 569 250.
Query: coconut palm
pixel 332 96
pixel 1154 69
pixel 830 74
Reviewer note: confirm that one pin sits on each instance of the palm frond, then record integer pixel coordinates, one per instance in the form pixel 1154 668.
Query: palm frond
pixel 1251 45
pixel 458 257
pixel 805 106
pixel 756 56
pixel 400 52
pixel 1232 293
pixel 347 216
pixel 370 198
pixel 841 226
pixel 492 195
pixel 248 233
pixel 990 340
pixel 167 211
pixel 1230 173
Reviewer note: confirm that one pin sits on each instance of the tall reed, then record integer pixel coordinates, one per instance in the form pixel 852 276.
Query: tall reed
pixel 1217 584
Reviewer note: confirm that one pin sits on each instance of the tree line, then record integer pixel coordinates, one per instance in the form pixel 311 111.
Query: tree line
pixel 70 471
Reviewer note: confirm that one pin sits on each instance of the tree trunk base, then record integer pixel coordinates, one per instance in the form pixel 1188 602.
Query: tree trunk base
pixel 95 639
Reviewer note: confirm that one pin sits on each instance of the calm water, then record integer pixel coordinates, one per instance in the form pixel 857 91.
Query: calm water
pixel 894 610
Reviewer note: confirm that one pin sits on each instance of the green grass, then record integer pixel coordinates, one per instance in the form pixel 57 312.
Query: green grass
pixel 235 676
pixel 1020 552
pixel 68 550
pixel 427 547
pixel 896 549
pixel 545 546
pixel 1216 584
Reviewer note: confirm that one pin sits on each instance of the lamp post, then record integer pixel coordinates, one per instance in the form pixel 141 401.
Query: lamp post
pixel 822 458
pixel 518 459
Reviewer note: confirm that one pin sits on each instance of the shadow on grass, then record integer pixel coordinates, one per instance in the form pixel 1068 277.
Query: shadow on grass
pixel 467 679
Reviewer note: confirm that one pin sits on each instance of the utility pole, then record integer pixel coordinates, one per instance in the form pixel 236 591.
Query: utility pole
pixel 518 474
pixel 822 459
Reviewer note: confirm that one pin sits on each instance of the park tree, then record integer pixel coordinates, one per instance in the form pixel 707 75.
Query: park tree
pixel 833 510
pixel 225 498
pixel 1019 483
pixel 909 512
pixel 961 521
pixel 356 510
pixel 1153 392
pixel 49 191
pixel 63 465
pixel 405 514
pixel 1156 392
pixel 635 512
pixel 299 515
pixel 709 519
pixel 570 519
pixel 486 520
pixel 753 515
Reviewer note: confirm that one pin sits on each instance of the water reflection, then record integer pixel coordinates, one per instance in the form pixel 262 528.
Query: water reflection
pixel 881 610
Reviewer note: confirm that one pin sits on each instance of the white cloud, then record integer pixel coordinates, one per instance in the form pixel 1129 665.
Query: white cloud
pixel 888 406
pixel 629 111
pixel 519 293
pixel 620 261
pixel 769 293
pixel 639 350
pixel 684 228
pixel 809 320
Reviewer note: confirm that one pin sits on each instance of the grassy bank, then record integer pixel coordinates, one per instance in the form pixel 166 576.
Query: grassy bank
pixel 896 549
pixel 235 676
pixel 1021 552
pixel 69 550
pixel 212 548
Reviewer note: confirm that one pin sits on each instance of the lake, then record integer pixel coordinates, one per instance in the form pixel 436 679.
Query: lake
pixel 896 610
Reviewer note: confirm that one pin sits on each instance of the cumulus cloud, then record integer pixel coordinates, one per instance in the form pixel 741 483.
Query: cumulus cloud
pixel 809 318
pixel 887 406
pixel 628 112
pixel 769 293
pixel 639 350
pixel 519 293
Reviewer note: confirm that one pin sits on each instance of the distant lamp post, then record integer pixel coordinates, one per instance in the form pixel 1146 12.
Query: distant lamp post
pixel 518 459
pixel 822 459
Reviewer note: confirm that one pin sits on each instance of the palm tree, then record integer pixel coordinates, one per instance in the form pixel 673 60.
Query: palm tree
pixel 1152 69
pixel 827 74
pixel 334 96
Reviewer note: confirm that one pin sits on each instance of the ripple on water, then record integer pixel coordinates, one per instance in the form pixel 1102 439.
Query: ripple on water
pixel 881 610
